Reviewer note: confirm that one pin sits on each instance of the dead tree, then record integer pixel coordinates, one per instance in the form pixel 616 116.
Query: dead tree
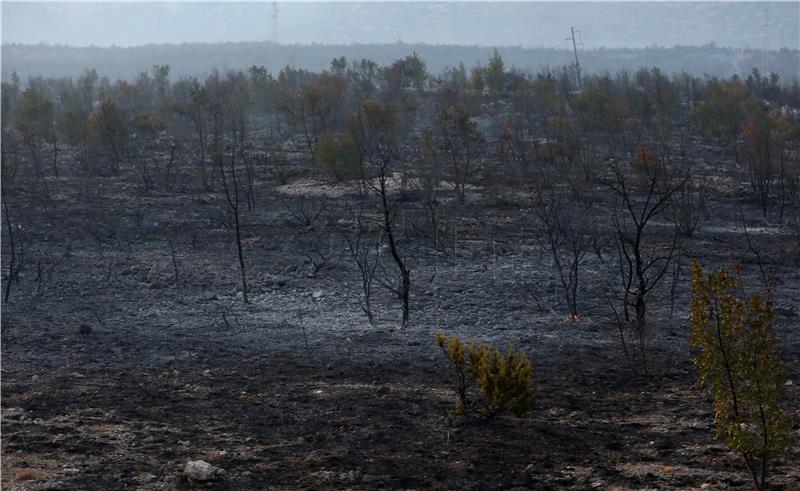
pixel 766 264
pixel 317 254
pixel 389 214
pixel 429 177
pixel 250 177
pixel 375 128
pixel 172 242
pixel 54 138
pixel 567 239
pixel 46 267
pixel 689 207
pixel 228 106
pixel 230 184
pixel 365 254
pixel 304 212
pixel 641 267
pixel 16 248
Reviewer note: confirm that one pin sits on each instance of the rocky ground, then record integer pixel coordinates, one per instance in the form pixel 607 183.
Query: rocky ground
pixel 114 377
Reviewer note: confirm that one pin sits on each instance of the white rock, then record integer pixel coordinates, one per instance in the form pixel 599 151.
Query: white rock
pixel 202 471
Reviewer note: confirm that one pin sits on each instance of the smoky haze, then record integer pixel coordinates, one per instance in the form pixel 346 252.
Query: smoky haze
pixel 760 25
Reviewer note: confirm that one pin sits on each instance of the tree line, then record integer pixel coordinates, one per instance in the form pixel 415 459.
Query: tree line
pixel 399 129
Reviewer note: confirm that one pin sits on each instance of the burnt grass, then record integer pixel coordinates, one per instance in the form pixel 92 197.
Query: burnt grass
pixel 113 377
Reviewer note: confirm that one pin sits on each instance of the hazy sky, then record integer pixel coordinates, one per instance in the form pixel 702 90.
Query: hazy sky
pixel 609 24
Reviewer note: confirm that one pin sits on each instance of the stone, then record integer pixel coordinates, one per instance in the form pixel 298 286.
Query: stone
pixel 279 280
pixel 371 479
pixel 202 471
pixel 85 329
pixel 318 294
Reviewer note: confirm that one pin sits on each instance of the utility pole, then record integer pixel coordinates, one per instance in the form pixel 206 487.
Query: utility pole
pixel 274 22
pixel 575 51
pixel 765 34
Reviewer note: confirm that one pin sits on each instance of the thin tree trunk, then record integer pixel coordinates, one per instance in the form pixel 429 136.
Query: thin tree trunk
pixel 12 248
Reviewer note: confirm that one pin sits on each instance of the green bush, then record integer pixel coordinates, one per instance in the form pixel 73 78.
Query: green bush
pixel 337 158
pixel 738 361
pixel 504 380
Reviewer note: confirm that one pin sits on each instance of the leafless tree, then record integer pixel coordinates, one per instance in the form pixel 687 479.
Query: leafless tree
pixel 766 264
pixel 304 211
pixel 318 253
pixel 365 254
pixel 228 109
pixel 172 243
pixel 689 207
pixel 567 238
pixel 641 266
pixel 46 265
pixel 376 131
pixel 250 176
pixel 401 288
pixel 16 248
pixel 230 185
pixel 429 178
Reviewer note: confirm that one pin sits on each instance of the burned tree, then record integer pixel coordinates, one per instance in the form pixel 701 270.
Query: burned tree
pixel 641 265
pixel 16 248
pixel 375 131
pixel 365 254
pixel 567 238
pixel 229 112
pixel 689 207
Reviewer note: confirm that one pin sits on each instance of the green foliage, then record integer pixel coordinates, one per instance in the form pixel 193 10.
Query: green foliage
pixel 724 110
pixel 337 158
pixel 738 361
pixel 33 118
pixel 108 133
pixel 495 74
pixel 600 108
pixel 502 379
pixel 406 72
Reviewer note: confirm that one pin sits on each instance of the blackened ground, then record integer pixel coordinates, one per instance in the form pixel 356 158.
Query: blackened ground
pixel 113 378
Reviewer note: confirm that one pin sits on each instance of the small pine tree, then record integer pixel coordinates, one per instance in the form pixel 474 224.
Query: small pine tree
pixel 455 351
pixel 738 360
pixel 504 380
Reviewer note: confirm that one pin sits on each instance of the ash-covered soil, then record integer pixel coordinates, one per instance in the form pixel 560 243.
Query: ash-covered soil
pixel 114 375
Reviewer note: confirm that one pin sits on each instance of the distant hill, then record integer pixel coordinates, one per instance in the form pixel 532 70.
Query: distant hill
pixel 757 25
pixel 199 59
